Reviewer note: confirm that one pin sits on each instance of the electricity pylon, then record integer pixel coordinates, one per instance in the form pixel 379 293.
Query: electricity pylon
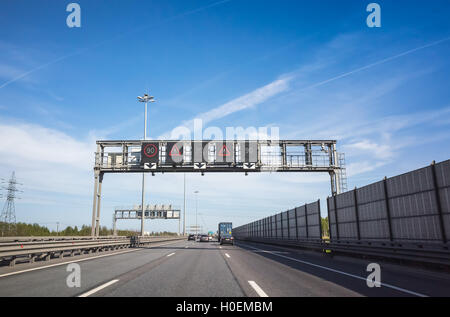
pixel 8 215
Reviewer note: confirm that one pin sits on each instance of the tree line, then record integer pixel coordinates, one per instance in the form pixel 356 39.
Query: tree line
pixel 26 230
pixel 325 228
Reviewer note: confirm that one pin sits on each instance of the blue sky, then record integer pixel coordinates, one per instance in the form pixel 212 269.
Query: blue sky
pixel 383 93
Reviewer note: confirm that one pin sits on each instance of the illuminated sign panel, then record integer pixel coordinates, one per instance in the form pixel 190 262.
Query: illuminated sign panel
pixel 150 153
pixel 178 152
pixel 210 152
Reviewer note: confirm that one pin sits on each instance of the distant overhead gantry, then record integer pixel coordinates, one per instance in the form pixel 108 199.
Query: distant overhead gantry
pixel 188 156
pixel 150 212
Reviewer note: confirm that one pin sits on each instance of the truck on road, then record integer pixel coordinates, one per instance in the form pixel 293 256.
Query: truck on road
pixel 225 233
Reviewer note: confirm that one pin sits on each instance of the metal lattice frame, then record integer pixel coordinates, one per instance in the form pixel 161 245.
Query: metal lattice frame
pixel 8 215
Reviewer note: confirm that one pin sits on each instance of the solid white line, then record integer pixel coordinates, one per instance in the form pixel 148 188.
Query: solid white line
pixel 74 261
pixel 58 264
pixel 226 254
pixel 341 272
pixel 171 254
pixel 95 290
pixel 257 289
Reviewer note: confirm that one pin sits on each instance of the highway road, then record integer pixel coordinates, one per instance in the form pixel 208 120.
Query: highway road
pixel 188 268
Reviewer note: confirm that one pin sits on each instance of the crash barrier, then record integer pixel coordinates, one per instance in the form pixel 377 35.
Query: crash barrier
pixel 30 249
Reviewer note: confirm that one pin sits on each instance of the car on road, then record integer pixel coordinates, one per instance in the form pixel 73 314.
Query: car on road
pixel 210 238
pixel 204 238
pixel 191 237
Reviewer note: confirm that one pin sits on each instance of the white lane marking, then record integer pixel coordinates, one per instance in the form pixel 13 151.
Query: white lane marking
pixel 341 272
pixel 227 255
pixel 220 247
pixel 95 290
pixel 257 289
pixel 171 254
pixel 277 252
pixel 58 264
pixel 74 261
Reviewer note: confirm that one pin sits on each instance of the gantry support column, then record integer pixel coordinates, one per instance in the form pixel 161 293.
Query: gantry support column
pixel 332 183
pixel 143 205
pixel 94 204
pixel 336 174
pixel 99 200
pixel 114 225
pixel 335 182
pixel 97 166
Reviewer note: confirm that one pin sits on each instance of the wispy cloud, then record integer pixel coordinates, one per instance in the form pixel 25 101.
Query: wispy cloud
pixel 361 167
pixel 244 102
pixel 34 144
pixel 380 151
pixel 389 124
pixel 316 66
pixel 377 143
pixel 247 101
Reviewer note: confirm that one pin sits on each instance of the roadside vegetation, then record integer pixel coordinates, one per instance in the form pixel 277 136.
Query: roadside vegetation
pixel 325 228
pixel 27 230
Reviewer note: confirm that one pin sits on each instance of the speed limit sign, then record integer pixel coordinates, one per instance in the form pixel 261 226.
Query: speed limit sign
pixel 150 153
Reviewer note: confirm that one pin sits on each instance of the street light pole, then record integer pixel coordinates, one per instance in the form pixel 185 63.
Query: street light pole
pixel 184 210
pixel 196 210
pixel 146 99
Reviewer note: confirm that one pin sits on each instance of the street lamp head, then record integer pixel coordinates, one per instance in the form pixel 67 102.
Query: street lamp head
pixel 146 98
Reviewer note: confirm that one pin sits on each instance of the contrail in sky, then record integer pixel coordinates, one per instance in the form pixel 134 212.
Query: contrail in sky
pixel 41 66
pixel 375 64
pixel 80 51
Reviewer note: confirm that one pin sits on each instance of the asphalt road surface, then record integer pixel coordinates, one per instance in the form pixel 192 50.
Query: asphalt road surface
pixel 188 268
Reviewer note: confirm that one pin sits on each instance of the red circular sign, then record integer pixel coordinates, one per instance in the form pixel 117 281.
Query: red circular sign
pixel 150 150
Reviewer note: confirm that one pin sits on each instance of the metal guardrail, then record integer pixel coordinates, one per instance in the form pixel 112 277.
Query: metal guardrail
pixel 56 238
pixel 437 254
pixel 30 249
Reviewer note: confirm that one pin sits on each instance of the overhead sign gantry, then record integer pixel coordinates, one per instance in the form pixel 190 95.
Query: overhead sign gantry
pixel 150 212
pixel 189 156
